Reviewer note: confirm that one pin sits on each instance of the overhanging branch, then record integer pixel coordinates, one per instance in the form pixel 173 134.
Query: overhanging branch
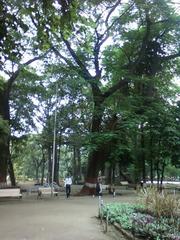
pixel 16 73
pixel 122 83
pixel 63 57
pixel 35 59
pixel 83 68
pixel 106 33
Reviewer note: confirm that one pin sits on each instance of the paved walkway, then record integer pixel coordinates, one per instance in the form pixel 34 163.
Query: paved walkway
pixel 51 219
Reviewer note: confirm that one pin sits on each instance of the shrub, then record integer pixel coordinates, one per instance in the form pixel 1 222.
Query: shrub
pixel 160 204
pixel 120 213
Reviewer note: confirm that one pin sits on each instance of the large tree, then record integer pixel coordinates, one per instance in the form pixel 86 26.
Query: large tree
pixel 144 42
pixel 15 32
pixel 21 37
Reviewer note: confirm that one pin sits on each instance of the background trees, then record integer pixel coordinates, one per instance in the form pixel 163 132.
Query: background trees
pixel 108 71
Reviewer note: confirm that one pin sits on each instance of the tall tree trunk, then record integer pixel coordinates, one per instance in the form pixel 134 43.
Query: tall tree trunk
pixel 110 175
pixel 74 165
pixel 78 154
pixel 136 177
pixel 49 165
pixel 158 164
pixel 158 174
pixel 162 171
pixel 11 173
pixel 5 136
pixel 58 152
pixel 113 174
pixel 95 158
pixel 56 166
pixel 143 166
pixel 37 174
pixel 151 158
pixel 43 167
pixel 151 170
pixel 98 157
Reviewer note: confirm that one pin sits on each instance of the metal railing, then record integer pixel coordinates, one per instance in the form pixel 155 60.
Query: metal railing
pixel 100 214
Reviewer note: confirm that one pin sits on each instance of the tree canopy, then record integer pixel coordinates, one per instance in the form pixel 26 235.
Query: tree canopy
pixel 107 69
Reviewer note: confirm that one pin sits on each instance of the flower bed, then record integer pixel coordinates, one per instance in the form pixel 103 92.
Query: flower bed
pixel 142 224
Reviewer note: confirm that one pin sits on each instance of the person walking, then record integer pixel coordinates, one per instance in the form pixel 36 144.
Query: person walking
pixel 67 184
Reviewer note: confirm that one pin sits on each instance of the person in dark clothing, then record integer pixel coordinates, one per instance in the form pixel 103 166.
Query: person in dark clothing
pixel 99 188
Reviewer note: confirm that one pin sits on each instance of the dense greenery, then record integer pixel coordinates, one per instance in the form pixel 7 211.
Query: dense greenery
pixel 99 77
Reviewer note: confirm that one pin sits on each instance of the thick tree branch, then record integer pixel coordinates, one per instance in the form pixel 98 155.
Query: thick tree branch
pixel 96 55
pixel 84 72
pixel 144 42
pixel 69 63
pixel 160 35
pixel 122 83
pixel 97 94
pixel 111 11
pixel 101 38
pixel 35 59
pixel 12 79
pixel 16 73
pixel 83 68
pixel 106 33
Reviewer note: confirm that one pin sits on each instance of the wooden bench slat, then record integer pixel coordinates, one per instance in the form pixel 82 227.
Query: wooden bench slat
pixel 10 192
pixel 105 187
pixel 123 183
pixel 46 190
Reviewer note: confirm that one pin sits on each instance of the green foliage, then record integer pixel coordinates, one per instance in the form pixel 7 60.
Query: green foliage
pixel 85 72
pixel 135 218
pixel 120 213
pixel 27 91
pixel 27 156
pixel 2 82
pixel 4 130
pixel 12 27
pixel 172 172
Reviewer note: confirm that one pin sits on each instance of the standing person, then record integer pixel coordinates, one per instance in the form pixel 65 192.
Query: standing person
pixel 67 184
pixel 99 188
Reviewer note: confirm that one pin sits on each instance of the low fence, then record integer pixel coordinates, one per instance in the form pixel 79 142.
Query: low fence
pixel 100 214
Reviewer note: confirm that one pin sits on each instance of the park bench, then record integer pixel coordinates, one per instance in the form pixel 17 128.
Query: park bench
pixel 10 192
pixel 172 187
pixel 105 187
pixel 124 184
pixel 109 189
pixel 46 191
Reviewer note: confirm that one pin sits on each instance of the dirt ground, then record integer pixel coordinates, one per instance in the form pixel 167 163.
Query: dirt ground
pixel 55 218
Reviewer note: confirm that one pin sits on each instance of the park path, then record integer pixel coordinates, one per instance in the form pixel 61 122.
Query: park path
pixel 52 219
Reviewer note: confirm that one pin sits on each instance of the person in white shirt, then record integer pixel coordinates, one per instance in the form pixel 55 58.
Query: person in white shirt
pixel 67 184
